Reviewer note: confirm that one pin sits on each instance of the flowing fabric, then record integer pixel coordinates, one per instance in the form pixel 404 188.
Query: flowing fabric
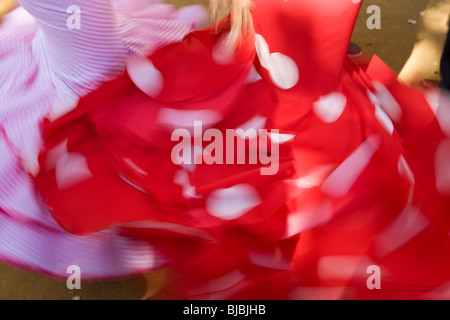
pixel 354 204
pixel 45 67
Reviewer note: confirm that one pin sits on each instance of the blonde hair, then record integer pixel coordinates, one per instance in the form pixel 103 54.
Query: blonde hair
pixel 241 17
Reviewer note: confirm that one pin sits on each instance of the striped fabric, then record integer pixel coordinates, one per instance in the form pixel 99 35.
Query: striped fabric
pixel 45 67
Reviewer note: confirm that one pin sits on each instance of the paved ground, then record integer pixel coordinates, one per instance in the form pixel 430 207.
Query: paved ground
pixel 410 41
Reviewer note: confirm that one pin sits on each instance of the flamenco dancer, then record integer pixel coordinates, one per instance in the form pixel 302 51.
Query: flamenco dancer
pixel 357 207
pixel 46 66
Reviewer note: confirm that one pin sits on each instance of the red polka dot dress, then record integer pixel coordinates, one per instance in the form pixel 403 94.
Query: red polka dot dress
pixel 282 170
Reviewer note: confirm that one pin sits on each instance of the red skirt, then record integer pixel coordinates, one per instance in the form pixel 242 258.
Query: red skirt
pixel 336 196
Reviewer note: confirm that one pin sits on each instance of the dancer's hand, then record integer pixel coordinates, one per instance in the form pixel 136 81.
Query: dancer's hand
pixel 29 160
